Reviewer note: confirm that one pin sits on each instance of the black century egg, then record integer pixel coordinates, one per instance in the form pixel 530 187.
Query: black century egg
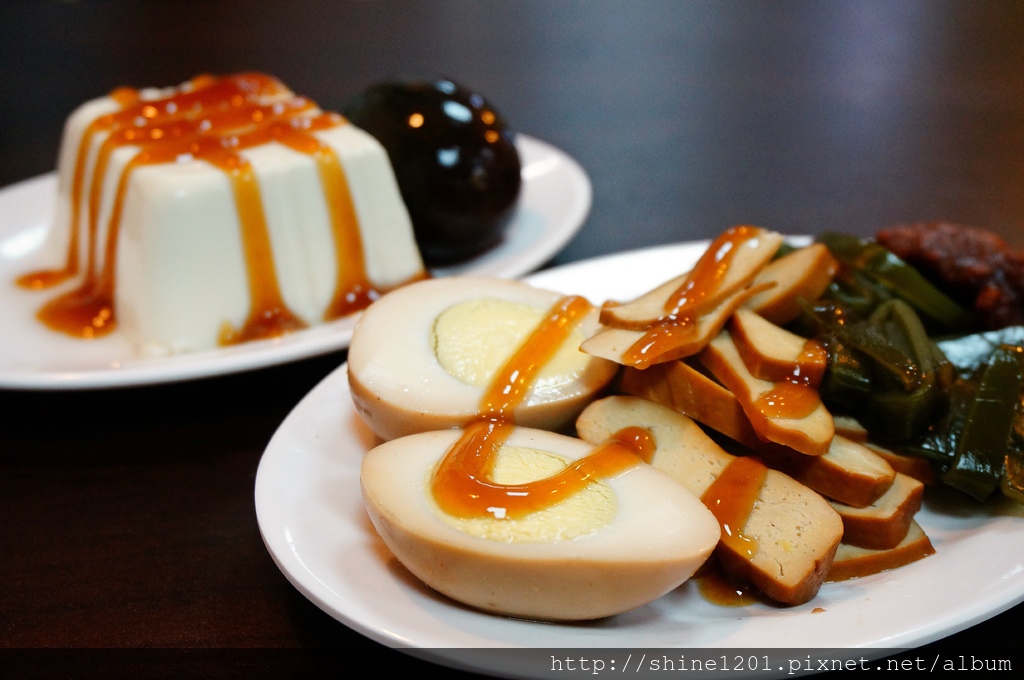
pixel 454 159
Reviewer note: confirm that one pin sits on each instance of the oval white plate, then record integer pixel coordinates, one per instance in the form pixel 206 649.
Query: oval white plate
pixel 555 200
pixel 311 516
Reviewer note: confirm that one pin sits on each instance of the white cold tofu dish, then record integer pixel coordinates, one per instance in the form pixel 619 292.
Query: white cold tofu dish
pixel 181 241
pixel 182 267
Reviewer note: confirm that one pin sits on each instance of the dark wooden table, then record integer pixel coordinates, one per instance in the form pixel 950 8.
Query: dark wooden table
pixel 126 516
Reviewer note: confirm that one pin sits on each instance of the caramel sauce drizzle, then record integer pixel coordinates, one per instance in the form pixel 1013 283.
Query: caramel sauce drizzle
pixel 463 486
pixel 212 120
pixel 731 497
pixel 691 299
pixel 797 395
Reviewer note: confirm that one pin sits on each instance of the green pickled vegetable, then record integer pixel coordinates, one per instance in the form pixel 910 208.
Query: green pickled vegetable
pixel 897 416
pixel 884 368
pixel 784 249
pixel 857 293
pixel 847 380
pixel 979 464
pixel 878 265
pixel 938 441
pixel 896 339
pixel 958 402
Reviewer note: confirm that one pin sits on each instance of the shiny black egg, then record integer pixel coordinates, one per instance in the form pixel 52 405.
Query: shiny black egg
pixel 454 158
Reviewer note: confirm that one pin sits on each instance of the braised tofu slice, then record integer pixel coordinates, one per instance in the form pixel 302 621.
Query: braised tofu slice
pixel 802 274
pixel 884 523
pixel 744 250
pixel 853 562
pixel 784 412
pixel 788 534
pixel 663 341
pixel 770 352
pixel 848 472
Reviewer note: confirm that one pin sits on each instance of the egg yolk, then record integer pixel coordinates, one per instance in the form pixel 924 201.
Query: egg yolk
pixel 473 340
pixel 579 514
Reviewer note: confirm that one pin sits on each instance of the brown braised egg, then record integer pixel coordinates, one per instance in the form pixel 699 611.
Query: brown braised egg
pixel 565 530
pixel 422 357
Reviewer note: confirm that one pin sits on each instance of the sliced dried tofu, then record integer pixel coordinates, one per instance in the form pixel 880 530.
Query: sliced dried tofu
pixel 915 466
pixel 640 313
pixel 789 533
pixel 919 468
pixel 850 427
pixel 683 388
pixel 784 412
pixel 729 264
pixel 884 523
pixel 770 352
pixel 848 471
pixel 803 274
pixel 853 562
pixel 666 341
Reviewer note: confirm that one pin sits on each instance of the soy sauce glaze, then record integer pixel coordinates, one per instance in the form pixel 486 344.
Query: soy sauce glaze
pixel 462 483
pixel 212 120
pixel 717 588
pixel 692 299
pixel 731 498
pixel 796 396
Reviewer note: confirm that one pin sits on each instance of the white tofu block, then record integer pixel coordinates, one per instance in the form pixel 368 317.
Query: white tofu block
pixel 181 272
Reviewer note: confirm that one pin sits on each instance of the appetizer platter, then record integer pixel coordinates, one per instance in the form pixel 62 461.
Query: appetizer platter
pixel 320 533
pixel 751 430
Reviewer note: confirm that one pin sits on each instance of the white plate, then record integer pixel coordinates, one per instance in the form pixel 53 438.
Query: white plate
pixel 311 516
pixel 555 200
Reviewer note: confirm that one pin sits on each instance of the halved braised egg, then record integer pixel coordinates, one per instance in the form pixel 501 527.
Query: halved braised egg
pixel 617 540
pixel 426 356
